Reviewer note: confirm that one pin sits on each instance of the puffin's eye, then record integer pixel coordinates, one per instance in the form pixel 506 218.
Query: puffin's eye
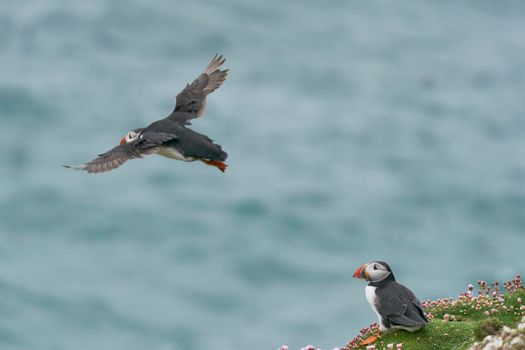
pixel 375 267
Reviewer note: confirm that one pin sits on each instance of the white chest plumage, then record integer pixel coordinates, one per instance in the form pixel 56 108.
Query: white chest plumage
pixel 172 153
pixel 371 297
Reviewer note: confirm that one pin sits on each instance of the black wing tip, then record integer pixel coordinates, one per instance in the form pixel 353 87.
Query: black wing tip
pixel 219 57
pixel 75 167
pixel 217 61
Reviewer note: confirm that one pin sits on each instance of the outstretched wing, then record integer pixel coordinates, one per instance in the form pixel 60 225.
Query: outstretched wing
pixel 112 159
pixel 192 100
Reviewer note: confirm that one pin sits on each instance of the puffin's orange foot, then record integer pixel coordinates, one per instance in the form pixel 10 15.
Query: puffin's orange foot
pixel 219 165
pixel 371 339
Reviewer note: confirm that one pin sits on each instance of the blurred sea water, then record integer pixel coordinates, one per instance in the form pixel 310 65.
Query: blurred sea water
pixel 355 131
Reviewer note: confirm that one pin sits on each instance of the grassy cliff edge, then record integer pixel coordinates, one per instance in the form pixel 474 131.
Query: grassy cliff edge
pixel 461 323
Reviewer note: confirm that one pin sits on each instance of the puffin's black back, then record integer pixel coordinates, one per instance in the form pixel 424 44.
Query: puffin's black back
pixel 187 141
pixel 398 305
pixel 198 145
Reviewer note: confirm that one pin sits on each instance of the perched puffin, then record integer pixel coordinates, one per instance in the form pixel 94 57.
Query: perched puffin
pixel 395 305
pixel 169 137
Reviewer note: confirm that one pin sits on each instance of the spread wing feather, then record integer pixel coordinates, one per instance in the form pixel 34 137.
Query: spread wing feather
pixel 112 159
pixel 191 102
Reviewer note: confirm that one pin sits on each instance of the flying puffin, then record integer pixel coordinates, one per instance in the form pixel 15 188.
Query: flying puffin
pixel 395 305
pixel 169 137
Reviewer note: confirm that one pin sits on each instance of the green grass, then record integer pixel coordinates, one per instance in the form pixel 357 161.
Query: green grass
pixel 437 335
pixel 456 324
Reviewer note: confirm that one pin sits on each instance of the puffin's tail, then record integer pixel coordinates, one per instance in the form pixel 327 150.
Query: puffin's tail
pixel 218 164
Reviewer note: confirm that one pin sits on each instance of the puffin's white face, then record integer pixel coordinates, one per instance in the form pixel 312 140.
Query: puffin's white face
pixel 373 272
pixel 376 272
pixel 130 136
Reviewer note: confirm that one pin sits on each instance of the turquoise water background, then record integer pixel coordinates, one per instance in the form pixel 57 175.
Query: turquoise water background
pixel 355 131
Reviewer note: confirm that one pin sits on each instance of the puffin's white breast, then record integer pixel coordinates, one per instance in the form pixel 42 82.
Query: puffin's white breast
pixel 172 153
pixel 371 297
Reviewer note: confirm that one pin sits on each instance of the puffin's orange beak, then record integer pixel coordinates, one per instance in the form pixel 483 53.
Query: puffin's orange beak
pixel 123 140
pixel 361 272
